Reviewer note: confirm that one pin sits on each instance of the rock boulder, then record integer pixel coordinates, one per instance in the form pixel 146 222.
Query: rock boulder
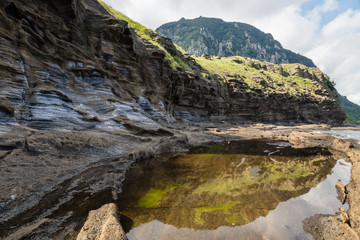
pixel 103 224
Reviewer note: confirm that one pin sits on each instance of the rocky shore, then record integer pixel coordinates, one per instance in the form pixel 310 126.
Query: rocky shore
pixel 64 177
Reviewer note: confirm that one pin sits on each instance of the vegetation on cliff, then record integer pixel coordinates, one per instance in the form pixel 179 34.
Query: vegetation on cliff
pixel 254 73
pixel 148 35
pixel 215 37
pixel 351 109
pixel 240 83
pixel 292 78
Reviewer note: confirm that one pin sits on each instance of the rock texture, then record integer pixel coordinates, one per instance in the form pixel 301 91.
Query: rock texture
pixel 103 224
pixel 265 92
pixel 213 36
pixel 84 69
pixel 341 191
pixel 330 227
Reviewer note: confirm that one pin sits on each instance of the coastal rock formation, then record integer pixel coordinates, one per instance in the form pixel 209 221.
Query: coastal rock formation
pixel 72 66
pixel 83 96
pixel 330 227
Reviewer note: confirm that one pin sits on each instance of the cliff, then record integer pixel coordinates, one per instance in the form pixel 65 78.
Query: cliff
pixel 216 37
pixel 72 66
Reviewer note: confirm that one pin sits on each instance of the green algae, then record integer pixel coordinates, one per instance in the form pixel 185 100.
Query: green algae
pixel 221 186
pixel 156 194
pixel 224 207
pixel 232 219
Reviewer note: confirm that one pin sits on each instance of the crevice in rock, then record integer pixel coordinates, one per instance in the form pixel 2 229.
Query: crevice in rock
pixel 12 12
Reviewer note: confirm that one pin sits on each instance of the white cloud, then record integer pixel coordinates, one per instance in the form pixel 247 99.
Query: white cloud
pixel 315 14
pixel 346 23
pixel 289 27
pixel 153 13
pixel 336 51
pixel 355 98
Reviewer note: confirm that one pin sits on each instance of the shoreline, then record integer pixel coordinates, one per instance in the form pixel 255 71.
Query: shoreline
pixel 140 144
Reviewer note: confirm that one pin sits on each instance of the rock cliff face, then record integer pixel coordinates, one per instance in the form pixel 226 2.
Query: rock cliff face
pixel 82 96
pixel 71 66
pixel 67 67
pixel 215 37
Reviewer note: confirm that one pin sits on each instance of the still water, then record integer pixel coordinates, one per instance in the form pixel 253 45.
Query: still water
pixel 241 190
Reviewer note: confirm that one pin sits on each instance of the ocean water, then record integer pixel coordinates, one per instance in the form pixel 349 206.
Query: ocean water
pixel 343 134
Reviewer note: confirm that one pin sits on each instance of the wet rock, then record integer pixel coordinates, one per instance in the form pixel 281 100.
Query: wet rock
pixel 102 224
pixel 330 227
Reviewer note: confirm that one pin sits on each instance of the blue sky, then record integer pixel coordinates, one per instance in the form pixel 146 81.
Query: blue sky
pixel 329 16
pixel 327 31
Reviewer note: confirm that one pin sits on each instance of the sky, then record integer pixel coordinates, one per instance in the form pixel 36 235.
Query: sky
pixel 327 31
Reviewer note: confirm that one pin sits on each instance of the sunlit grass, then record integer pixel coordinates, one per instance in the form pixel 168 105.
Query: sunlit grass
pixel 147 34
pixel 272 80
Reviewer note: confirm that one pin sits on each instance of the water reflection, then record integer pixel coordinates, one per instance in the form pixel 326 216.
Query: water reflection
pixel 242 190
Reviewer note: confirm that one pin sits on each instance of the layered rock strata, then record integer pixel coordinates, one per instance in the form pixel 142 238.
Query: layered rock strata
pixel 69 65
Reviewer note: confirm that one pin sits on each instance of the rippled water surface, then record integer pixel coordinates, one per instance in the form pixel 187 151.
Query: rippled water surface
pixel 241 190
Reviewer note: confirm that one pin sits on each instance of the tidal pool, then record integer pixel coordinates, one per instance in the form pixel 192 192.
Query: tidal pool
pixel 241 190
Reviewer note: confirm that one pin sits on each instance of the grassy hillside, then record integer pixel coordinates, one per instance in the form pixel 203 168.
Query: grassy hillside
pixel 148 35
pixel 351 109
pixel 264 75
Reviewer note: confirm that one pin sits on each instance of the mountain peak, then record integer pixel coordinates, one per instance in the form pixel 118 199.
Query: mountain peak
pixel 214 36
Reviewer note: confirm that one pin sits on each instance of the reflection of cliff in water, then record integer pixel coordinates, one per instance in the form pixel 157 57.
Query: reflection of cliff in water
pixel 221 185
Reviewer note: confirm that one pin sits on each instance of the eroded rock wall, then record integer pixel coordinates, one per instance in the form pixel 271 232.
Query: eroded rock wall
pixel 64 66
pixel 69 65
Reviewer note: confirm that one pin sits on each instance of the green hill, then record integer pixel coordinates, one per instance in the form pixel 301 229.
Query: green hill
pixel 351 109
pixel 216 37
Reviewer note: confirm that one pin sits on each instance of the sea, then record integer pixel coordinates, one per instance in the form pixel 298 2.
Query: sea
pixel 344 134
